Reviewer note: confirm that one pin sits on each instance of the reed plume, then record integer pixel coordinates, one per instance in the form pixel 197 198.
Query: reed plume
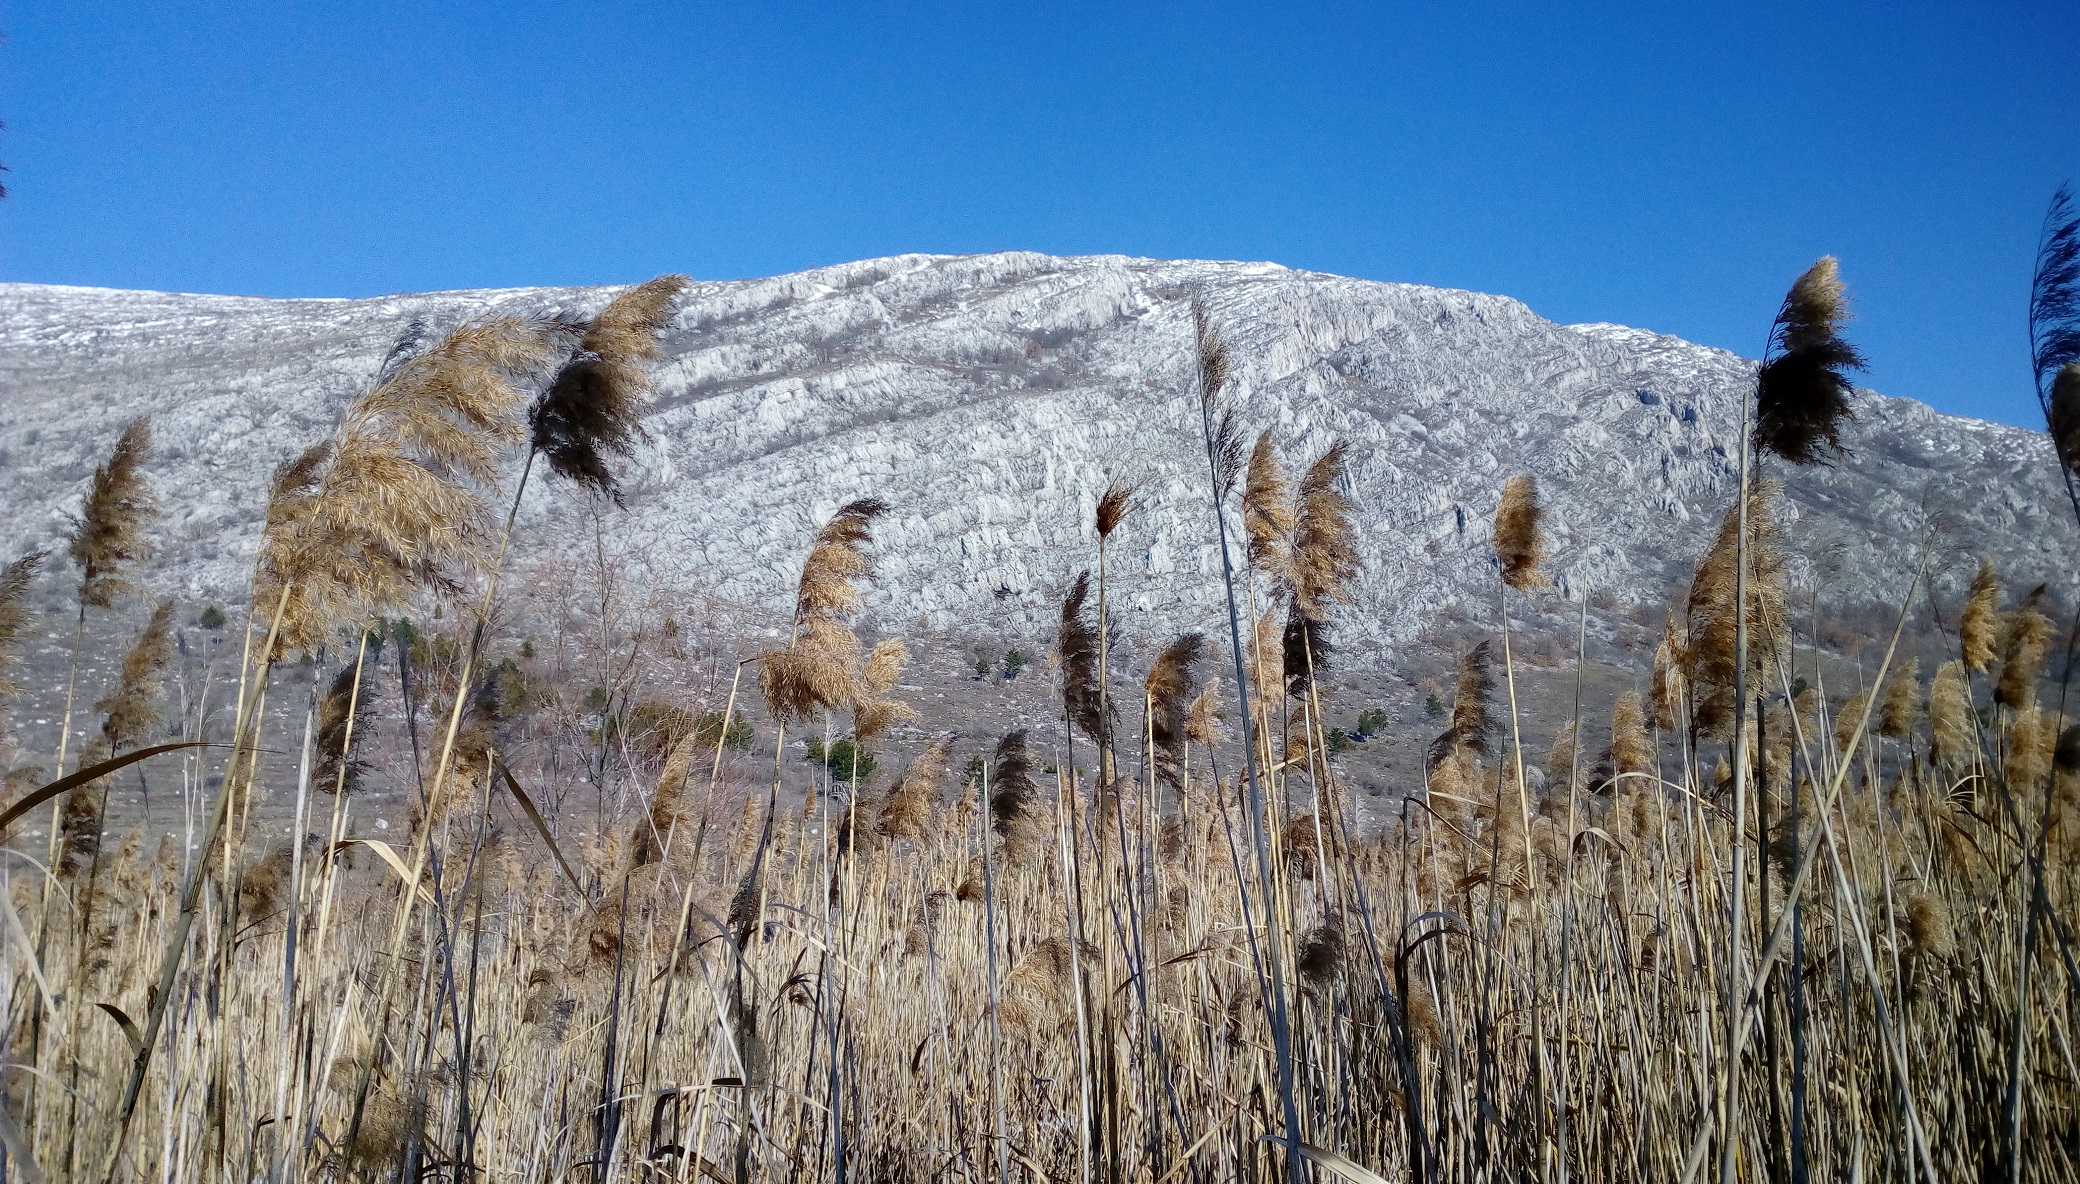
pixel 2054 328
pixel 1202 722
pixel 1472 725
pixel 1115 504
pixel 1670 684
pixel 1953 734
pixel 130 712
pixel 1713 620
pixel 2062 415
pixel 1171 683
pixel 594 405
pixel 395 501
pixel 1519 543
pixel 873 711
pixel 1268 514
pixel 1223 429
pixel 1077 643
pixel 1898 711
pixel 1802 391
pixel 1305 648
pixel 2023 644
pixel 15 579
pixel 1321 563
pixel 1324 554
pixel 907 814
pixel 1631 751
pixel 345 716
pixel 1979 631
pixel 1011 787
pixel 108 532
pixel 818 669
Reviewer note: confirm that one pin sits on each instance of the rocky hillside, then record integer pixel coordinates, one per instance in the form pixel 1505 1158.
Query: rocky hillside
pixel 990 398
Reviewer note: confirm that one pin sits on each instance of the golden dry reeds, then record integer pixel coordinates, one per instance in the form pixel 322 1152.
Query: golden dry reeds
pixel 1953 734
pixel 1979 630
pixel 1519 542
pixel 2023 645
pixel 130 711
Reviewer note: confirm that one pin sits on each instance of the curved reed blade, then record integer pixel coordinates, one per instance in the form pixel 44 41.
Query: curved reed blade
pixel 38 796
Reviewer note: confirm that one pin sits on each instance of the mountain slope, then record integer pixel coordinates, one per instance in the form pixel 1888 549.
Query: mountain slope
pixel 990 398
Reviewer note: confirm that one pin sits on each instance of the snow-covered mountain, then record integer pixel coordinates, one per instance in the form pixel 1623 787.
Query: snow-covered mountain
pixel 989 399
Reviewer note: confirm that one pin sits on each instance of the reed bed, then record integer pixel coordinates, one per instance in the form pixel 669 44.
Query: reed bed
pixel 1737 920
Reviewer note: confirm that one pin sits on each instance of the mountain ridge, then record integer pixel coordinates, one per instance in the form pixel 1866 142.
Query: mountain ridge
pixel 989 398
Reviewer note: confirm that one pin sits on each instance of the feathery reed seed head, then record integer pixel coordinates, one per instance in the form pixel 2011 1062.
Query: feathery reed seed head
pixel 1519 543
pixel 1802 393
pixel 108 532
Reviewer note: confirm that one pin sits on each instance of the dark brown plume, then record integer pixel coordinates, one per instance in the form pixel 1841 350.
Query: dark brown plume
pixel 594 406
pixel 1114 505
pixel 1222 429
pixel 1802 392
pixel 14 610
pixel 340 767
pixel 1307 648
pixel 1472 726
pixel 1519 543
pixel 108 531
pixel 1077 642
pixel 1011 788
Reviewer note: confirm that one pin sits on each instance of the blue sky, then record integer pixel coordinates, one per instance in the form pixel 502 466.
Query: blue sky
pixel 1672 167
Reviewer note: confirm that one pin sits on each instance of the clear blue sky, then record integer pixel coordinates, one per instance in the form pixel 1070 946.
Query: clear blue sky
pixel 1672 167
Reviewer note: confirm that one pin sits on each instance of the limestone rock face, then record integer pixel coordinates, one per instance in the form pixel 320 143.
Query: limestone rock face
pixel 988 399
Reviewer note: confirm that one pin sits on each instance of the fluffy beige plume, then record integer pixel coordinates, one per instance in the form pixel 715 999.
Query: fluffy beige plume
pixel 1953 731
pixel 1980 630
pixel 2023 645
pixel 1898 711
pixel 397 500
pixel 1267 513
pixel 1519 543
pixel 1324 554
pixel 1709 645
pixel 820 668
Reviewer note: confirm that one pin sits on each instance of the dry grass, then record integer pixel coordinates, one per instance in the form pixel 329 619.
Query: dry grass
pixel 1021 974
